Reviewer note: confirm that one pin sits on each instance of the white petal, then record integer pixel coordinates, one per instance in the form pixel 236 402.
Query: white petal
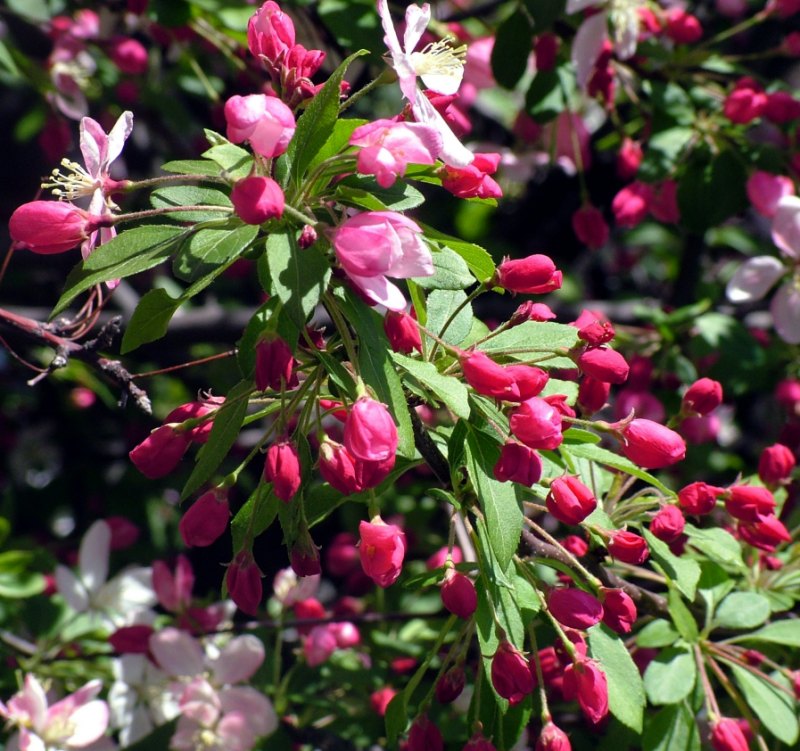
pixel 89 722
pixel 586 47
pixel 754 278
pixel 128 593
pixel 626 31
pixel 177 652
pixel 786 313
pixel 93 555
pixel 71 589
pixel 390 38
pixel 417 20
pixel 238 660
pixel 786 226
pixel 575 6
pixel 453 153
pixel 94 145
pixel 443 83
pixel 118 135
pixel 380 290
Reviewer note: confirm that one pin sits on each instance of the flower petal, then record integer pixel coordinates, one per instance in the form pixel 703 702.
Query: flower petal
pixel 93 555
pixel 417 20
pixel 177 653
pixel 256 707
pixel 71 589
pixel 453 153
pixel 238 660
pixel 786 312
pixel 94 145
pixel 786 226
pixel 754 278
pixel 118 135
pixel 89 722
pixel 587 46
pixel 380 290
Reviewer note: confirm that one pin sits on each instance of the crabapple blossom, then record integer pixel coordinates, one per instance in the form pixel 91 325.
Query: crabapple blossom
pixel 511 674
pixel 574 608
pixel 382 548
pixel 370 433
pixel 49 227
pixel 257 199
pixel 206 519
pixel 265 121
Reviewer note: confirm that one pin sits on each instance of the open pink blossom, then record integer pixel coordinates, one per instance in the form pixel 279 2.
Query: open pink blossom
pixel 265 121
pixel 374 245
pixel 440 66
pixel 387 147
pixel 765 190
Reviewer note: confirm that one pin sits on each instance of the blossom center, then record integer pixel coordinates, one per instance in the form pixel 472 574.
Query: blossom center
pixel 74 182
pixel 439 58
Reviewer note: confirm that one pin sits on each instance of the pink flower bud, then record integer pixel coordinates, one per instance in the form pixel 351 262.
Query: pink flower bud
pixel 174 592
pixel 651 445
pixel 537 424
pixel 439 558
pixel 776 464
pixel 129 55
pixel 473 181
pixel 745 103
pixel 574 608
pixel 765 189
pixel 533 275
pixel 206 519
pixel 338 467
pixel 726 735
pixel 50 226
pixel 576 545
pixel 664 206
pixel 341 555
pixel 590 227
pixel 553 738
pixel 668 523
pixel 424 736
pixel 545 49
pixel 124 533
pixel 379 700
pixel 450 685
pixel 478 743
pixel 749 502
pixel 458 594
pixel 603 364
pixel 194 410
pixel 569 500
pixel 528 379
pixel 619 610
pixel 682 27
pixel 592 394
pixel 781 107
pixel 596 333
pixel 698 498
pixel 765 534
pixel 511 673
pixel 319 645
pixel 270 34
pixel 487 377
pixel 518 463
pixel 584 681
pixel 304 556
pixel 629 158
pixel 382 548
pixel 369 432
pixel 531 311
pixel 159 453
pixel 628 547
pixel 372 474
pixel 702 397
pixel 274 364
pixel 631 204
pixel 265 121
pixel 257 199
pixel 243 581
pixel 282 469
pixel 131 640
pixel 402 332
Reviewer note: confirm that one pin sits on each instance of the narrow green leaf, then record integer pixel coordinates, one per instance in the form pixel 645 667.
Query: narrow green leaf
pixel 338 139
pixel 742 610
pixel 449 389
pixel 716 544
pixel 533 340
pixel 544 99
pixel 626 698
pixel 512 48
pixel 685 572
pixel 207 249
pixel 234 160
pixel 255 516
pixel 189 195
pixel 150 319
pixel 674 728
pixel 442 303
pixel 657 633
pixel 776 709
pixel 299 277
pixel 786 633
pixel 224 433
pixel 610 459
pixel 365 193
pixel 478 260
pixel 681 617
pixel 671 676
pixel 545 12
pixel 192 167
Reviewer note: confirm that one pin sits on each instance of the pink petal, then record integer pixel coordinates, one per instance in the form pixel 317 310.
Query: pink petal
pixel 71 589
pixel 89 723
pixel 238 660
pixel 118 135
pixel 380 290
pixel 786 226
pixel 453 152
pixel 177 653
pixel 586 47
pixel 256 707
pixel 417 20
pixel 94 145
pixel 754 278
pixel 786 313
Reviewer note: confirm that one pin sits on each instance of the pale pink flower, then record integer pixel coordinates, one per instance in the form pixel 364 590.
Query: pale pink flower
pixel 374 245
pixel 288 588
pixel 765 190
pixel 388 147
pixel 265 121
pixel 786 226
pixel 440 67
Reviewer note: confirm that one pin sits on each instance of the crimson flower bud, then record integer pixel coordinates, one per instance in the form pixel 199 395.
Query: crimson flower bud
pixel 619 610
pixel 629 158
pixel 194 410
pixel 402 332
pixel 489 378
pixel 533 275
pixel 458 594
pixel 529 380
pixel 379 700
pixel 257 199
pixel 702 397
pixel 478 743
pixel 593 394
pixel 604 364
pixel 369 432
pixel 553 738
pixel 574 608
pixel 749 502
pixel 576 545
pixel 665 202
pixel 726 735
pixel 244 582
pixel 304 556
pixel 569 500
pixel 131 640
pixel 781 107
pixel 274 364
pixel 584 681
pixel 206 519
pixel 159 453
pixel 518 463
pixel 129 55
pixel 439 558
pixel 597 333
pixel 546 50
pixel 124 533
pixel 174 592
pixel 338 467
pixel 424 736
pixel 511 673
pixel 531 311
pixel 341 556
pixel 631 204
pixel 381 549
pixel 682 27
pixel 776 464
pixel 474 180
pixel 765 534
pixel 651 445
pixel 371 474
pixel 668 523
pixel 537 424
pixel 745 103
pixel 50 226
pixel 282 469
pixel 450 685
pixel 698 498
pixel 590 227
pixel 628 547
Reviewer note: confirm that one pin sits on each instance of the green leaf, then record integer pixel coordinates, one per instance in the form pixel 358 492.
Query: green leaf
pixel 451 272
pixel 776 709
pixel 674 728
pixel 354 23
pixel 338 139
pixel 478 260
pixel 716 544
pixel 511 49
pixel 225 431
pixel 298 276
pixel 545 12
pixel 132 251
pixel 314 127
pixel 742 610
pixel 609 458
pixel 442 303
pixel 671 676
pixel 534 339
pixel 709 193
pixel 35 10
pixel 685 572
pixel 378 369
pixel 190 195
pixel 21 584
pixel 785 633
pixel 192 167
pixel 626 699
pixel 449 389
pixel 544 100
pixel 150 319
pixel 663 151
pixel 365 193
pixel 255 516
pixel 7 62
pixel 208 249
pixel 234 160
pixel 498 500
pixel 657 633
pixel 683 619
